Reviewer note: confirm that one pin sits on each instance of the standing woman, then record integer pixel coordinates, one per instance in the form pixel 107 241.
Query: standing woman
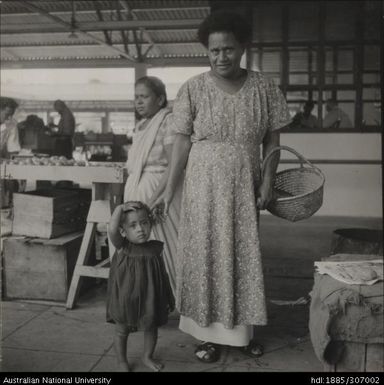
pixel 221 119
pixel 148 161
pixel 9 143
pixel 65 130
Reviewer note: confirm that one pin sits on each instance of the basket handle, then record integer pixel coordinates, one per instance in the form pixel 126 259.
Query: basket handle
pixel 301 158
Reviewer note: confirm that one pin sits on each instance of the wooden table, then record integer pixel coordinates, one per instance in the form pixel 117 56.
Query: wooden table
pixel 103 179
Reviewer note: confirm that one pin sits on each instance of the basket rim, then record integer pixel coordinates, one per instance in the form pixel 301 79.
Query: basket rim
pixel 316 171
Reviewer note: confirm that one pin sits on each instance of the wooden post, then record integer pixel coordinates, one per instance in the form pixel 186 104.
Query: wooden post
pixel 98 212
pixel 140 70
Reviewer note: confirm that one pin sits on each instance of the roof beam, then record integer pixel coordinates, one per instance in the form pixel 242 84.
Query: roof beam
pixel 8 52
pixel 99 25
pixel 198 61
pixel 65 44
pixel 143 8
pixel 146 34
pixel 100 16
pixel 124 34
pixel 77 29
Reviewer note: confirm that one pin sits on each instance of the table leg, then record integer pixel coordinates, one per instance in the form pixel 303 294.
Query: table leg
pixel 82 259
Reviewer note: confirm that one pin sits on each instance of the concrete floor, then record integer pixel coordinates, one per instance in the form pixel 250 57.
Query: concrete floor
pixel 43 337
pixel 46 338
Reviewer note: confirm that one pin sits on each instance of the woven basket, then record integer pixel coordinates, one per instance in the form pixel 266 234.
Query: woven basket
pixel 298 192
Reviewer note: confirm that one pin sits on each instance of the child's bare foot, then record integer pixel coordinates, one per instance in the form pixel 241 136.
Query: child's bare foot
pixel 152 364
pixel 123 367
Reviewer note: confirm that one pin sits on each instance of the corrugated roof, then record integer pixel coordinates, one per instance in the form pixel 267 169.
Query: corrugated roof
pixel 40 31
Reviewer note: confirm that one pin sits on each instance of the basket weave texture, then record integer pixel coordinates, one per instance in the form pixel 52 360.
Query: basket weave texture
pixel 298 192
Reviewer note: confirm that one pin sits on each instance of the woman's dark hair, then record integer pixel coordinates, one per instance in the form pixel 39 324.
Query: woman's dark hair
pixel 59 105
pixel 157 86
pixel 225 21
pixel 8 102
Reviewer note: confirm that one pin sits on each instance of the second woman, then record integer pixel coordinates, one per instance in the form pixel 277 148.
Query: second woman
pixel 148 161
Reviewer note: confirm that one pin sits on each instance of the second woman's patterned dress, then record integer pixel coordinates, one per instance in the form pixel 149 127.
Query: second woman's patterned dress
pixel 220 277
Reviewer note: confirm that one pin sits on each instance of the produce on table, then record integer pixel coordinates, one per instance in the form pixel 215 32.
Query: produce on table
pixel 57 161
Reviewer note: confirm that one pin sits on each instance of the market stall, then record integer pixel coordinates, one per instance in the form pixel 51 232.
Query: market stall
pixel 105 179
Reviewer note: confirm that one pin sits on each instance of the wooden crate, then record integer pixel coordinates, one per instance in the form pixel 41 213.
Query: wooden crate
pixel 359 357
pixel 49 213
pixel 39 269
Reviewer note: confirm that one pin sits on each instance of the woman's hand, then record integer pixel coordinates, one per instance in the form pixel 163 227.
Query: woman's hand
pixel 264 194
pixel 161 204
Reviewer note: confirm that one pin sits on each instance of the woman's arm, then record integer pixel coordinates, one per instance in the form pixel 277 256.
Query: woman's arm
pixel 264 194
pixel 163 181
pixel 179 158
pixel 114 227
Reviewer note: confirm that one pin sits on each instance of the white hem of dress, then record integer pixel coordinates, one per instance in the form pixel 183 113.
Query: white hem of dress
pixel 216 333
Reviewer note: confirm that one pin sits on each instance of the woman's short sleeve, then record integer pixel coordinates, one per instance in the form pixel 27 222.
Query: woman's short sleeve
pixel 278 113
pixel 181 121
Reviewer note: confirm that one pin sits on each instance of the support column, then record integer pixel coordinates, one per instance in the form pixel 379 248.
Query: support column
pixel 105 122
pixel 140 70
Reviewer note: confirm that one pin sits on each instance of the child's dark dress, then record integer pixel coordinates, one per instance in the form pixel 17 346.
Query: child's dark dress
pixel 139 293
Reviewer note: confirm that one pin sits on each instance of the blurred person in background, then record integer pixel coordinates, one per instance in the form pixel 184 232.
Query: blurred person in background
pixel 305 119
pixel 64 131
pixel 336 117
pixel 10 144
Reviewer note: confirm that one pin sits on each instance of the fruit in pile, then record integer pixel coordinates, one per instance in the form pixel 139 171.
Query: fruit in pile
pixel 51 161
pixel 59 161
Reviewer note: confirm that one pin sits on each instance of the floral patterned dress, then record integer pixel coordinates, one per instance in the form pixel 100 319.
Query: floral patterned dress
pixel 219 274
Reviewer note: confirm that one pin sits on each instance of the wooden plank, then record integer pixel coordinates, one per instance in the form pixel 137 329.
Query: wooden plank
pixel 64 239
pixel 374 358
pixel 100 211
pixel 93 271
pixel 102 263
pixel 82 259
pixel 86 174
pixel 40 302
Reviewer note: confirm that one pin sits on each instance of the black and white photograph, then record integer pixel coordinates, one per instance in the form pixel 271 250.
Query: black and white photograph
pixel 191 186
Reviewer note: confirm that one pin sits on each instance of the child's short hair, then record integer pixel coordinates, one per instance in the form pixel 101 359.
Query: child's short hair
pixel 135 206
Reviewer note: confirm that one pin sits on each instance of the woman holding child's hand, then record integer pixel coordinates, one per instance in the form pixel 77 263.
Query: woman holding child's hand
pixel 148 161
pixel 221 119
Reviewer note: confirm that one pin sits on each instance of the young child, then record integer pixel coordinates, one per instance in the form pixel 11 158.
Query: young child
pixel 139 293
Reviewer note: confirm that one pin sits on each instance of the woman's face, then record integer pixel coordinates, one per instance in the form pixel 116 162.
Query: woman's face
pixel 147 103
pixel 5 114
pixel 224 53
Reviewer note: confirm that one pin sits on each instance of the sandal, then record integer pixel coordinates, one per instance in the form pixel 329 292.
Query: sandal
pixel 253 350
pixel 207 352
